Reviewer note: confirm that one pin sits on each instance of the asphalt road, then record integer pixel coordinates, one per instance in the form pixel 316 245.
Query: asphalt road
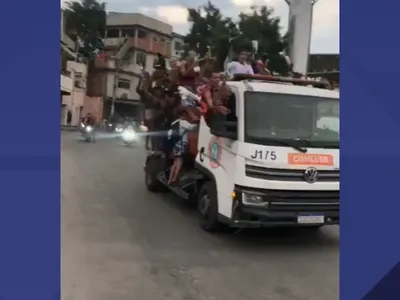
pixel 121 242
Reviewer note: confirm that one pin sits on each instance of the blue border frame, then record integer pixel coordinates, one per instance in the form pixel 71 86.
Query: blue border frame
pixel 370 150
pixel 30 151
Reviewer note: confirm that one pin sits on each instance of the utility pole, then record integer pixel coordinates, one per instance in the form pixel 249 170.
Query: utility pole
pixel 115 84
pixel 300 28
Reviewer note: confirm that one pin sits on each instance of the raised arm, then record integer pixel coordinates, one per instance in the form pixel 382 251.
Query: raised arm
pixel 184 70
pixel 186 125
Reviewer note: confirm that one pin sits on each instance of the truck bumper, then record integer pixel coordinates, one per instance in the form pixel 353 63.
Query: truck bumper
pixel 254 218
pixel 285 209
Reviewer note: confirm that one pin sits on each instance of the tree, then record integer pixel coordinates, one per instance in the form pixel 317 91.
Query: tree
pixel 261 25
pixel 210 29
pixel 85 22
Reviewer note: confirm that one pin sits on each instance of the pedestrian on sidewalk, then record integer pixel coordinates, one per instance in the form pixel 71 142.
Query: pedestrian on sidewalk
pixel 69 118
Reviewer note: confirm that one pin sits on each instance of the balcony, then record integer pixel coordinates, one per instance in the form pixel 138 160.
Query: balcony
pixel 113 42
pixel 129 67
pixel 66 40
pixel 66 84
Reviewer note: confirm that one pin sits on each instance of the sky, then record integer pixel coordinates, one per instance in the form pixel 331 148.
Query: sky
pixel 325 33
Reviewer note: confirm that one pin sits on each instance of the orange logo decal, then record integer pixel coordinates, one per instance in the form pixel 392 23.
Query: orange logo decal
pixel 307 159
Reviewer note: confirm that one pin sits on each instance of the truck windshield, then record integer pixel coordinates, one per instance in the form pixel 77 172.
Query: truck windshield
pixel 308 121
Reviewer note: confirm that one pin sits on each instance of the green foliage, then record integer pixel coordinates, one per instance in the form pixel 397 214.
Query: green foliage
pixel 85 22
pixel 210 28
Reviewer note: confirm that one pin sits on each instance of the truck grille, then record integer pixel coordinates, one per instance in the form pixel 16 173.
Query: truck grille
pixel 289 174
pixel 303 200
pixel 281 200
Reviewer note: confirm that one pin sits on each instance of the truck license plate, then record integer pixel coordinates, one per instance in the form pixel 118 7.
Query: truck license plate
pixel 310 219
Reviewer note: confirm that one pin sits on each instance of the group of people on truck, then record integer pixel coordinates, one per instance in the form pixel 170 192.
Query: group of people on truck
pixel 167 110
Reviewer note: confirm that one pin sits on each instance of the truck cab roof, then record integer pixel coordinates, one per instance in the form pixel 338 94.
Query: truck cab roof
pixel 281 85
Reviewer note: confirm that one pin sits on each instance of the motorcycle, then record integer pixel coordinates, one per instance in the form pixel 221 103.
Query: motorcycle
pixel 129 136
pixel 109 127
pixel 118 130
pixel 87 132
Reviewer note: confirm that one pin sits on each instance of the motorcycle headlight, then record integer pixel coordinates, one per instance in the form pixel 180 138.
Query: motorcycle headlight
pixel 129 135
pixel 88 129
pixel 253 199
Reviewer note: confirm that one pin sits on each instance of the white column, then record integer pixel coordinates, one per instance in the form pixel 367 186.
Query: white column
pixel 300 27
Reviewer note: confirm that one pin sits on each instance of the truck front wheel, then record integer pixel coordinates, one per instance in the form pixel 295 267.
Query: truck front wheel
pixel 207 207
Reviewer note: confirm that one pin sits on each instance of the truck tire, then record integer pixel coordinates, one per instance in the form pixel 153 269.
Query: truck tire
pixel 151 181
pixel 207 207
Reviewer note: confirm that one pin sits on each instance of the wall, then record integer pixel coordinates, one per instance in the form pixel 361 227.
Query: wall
pixel 75 102
pixel 66 83
pixel 131 92
pixel 93 105
pixel 151 42
pixel 130 19
pixel 176 52
pixel 131 65
pixel 77 66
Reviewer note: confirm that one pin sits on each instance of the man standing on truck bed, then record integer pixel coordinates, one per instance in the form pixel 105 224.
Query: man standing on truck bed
pixel 240 66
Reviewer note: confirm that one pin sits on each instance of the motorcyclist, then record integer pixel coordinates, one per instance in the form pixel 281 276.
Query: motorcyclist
pixel 129 123
pixel 89 120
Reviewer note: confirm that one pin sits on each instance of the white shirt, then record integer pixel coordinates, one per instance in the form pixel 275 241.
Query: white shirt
pixel 184 127
pixel 236 67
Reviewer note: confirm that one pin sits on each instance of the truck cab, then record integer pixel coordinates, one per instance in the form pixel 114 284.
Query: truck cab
pixel 273 161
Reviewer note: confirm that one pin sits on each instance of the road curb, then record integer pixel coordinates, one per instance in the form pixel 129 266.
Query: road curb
pixel 69 128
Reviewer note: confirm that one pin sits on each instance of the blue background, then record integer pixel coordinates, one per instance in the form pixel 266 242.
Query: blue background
pixel 30 150
pixel 370 149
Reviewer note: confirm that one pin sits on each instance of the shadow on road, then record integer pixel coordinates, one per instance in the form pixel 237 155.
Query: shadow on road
pixel 254 239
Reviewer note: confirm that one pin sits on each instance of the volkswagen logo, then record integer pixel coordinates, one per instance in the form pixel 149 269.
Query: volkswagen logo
pixel 311 175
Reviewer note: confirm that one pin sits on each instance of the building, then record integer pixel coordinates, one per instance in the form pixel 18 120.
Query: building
pixel 67 52
pixel 132 41
pixel 75 101
pixel 73 80
pixel 177 45
pixel 324 65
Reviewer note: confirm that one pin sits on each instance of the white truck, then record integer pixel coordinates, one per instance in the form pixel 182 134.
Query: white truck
pixel 274 161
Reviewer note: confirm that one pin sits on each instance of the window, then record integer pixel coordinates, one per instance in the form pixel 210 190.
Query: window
pixel 178 46
pixel 124 83
pixel 78 80
pixel 142 34
pixel 78 76
pixel 225 125
pixel 306 120
pixel 141 59
pixel 113 33
pixel 128 32
pixel 156 39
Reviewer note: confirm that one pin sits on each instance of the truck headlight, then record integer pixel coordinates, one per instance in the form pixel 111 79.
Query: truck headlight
pixel 253 199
